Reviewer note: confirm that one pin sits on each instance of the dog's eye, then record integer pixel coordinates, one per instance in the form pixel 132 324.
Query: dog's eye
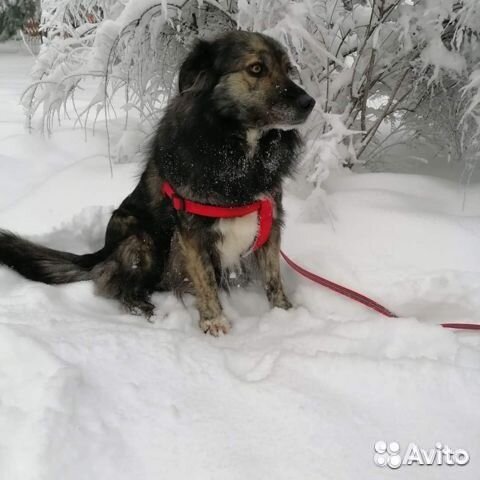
pixel 256 69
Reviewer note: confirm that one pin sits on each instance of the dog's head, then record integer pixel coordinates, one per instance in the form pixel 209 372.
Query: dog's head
pixel 247 77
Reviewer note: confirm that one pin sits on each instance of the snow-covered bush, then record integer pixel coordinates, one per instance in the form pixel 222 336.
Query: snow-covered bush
pixel 372 65
pixel 131 49
pixel 376 67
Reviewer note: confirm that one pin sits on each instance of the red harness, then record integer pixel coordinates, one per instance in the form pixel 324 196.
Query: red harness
pixel 263 207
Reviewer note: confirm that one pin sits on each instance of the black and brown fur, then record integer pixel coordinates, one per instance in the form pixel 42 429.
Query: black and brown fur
pixel 217 143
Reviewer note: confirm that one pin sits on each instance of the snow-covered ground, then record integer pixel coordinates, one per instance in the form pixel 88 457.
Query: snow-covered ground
pixel 87 391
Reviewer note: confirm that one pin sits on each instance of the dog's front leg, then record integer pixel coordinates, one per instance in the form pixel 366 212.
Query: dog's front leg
pixel 200 270
pixel 268 258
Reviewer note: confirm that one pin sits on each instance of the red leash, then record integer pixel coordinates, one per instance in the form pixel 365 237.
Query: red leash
pixel 358 297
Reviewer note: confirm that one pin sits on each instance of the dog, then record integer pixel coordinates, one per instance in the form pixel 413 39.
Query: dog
pixel 226 142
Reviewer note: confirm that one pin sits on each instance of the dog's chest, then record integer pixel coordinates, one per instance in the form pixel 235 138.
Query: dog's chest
pixel 237 236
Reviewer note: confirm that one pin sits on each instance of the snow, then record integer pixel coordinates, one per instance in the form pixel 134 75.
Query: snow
pixel 106 36
pixel 87 391
pixel 438 55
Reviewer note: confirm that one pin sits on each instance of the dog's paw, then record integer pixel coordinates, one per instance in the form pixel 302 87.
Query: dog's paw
pixel 215 326
pixel 140 308
pixel 282 302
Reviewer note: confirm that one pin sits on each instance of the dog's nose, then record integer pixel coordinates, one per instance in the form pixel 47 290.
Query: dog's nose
pixel 305 102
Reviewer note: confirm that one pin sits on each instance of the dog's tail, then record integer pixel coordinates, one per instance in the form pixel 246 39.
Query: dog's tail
pixel 43 264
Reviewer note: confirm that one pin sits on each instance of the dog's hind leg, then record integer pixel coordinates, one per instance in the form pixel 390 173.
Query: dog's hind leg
pixel 128 274
pixel 268 258
pixel 199 268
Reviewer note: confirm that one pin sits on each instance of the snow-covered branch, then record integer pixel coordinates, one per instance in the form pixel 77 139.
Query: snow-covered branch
pixel 372 65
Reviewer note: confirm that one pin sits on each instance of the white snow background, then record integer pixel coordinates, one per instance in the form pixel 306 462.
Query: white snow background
pixel 89 392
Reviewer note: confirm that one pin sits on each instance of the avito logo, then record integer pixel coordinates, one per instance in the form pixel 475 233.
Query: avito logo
pixel 390 455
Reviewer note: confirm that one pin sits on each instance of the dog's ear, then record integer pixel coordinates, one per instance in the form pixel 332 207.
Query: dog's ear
pixel 197 71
